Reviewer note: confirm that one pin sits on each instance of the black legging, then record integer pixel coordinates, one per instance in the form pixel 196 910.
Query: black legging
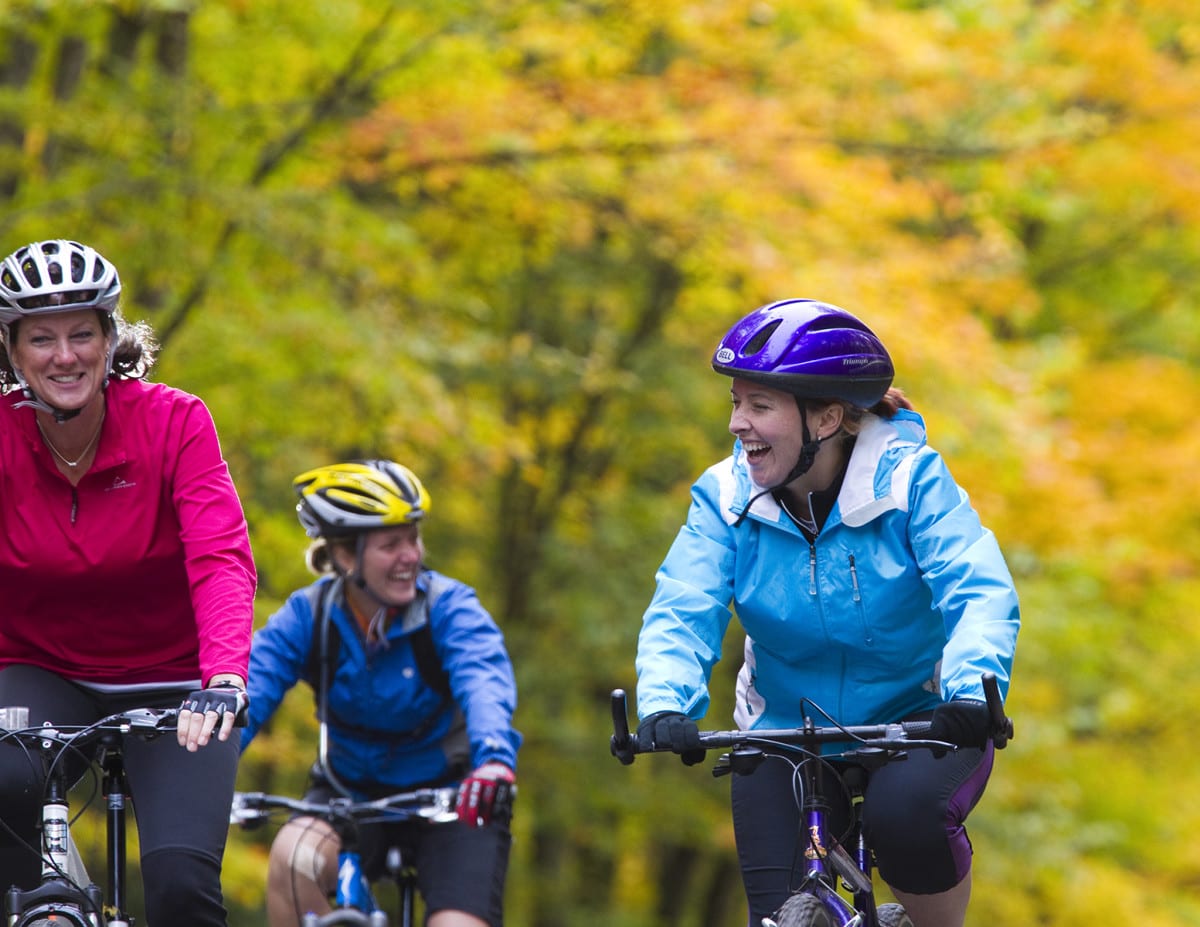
pixel 181 799
pixel 913 813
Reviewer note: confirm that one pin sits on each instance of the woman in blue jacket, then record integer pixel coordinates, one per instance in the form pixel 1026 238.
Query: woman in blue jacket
pixel 414 688
pixel 865 584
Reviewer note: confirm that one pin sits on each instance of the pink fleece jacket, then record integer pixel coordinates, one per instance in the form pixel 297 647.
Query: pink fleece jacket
pixel 143 572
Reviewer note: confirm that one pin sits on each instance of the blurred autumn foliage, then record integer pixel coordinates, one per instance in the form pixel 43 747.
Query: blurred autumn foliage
pixel 498 239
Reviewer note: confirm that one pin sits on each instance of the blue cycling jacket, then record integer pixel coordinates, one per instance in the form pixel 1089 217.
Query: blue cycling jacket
pixel 387 727
pixel 903 600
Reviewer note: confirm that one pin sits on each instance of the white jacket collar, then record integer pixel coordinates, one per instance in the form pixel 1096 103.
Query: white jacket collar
pixel 877 477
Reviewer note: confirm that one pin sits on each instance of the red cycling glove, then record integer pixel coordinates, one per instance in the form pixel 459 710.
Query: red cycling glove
pixel 486 795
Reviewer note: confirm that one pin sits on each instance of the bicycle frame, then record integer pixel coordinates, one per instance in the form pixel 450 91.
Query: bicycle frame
pixel 61 893
pixel 353 889
pixel 354 893
pixel 354 899
pixel 826 860
pixel 115 793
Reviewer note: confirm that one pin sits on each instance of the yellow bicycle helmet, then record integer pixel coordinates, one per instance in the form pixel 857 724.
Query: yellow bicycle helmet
pixel 349 498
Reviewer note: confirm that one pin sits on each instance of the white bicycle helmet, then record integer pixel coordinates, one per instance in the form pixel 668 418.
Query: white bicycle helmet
pixel 56 276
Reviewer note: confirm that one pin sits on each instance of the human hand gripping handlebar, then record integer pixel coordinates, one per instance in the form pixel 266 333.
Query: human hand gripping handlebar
pixel 898 735
pixel 216 709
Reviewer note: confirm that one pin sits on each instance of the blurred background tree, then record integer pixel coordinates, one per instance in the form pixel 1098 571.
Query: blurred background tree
pixel 497 240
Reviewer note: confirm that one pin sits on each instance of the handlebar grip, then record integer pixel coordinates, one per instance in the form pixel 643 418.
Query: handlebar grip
pixel 916 729
pixel 621 745
pixel 1002 726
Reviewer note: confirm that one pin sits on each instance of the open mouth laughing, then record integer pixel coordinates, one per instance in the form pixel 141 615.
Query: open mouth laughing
pixel 756 451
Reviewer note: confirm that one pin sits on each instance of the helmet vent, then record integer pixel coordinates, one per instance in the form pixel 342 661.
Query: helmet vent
pixel 29 269
pixel 70 298
pixel 755 344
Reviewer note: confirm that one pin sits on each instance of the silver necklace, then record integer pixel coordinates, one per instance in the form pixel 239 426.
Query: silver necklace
pixel 87 450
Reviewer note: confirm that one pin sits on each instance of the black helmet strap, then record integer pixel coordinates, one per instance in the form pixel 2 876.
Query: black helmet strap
pixel 37 402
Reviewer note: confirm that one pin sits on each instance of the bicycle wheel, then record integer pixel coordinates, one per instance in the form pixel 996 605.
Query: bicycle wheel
pixel 341 917
pixel 803 911
pixel 54 915
pixel 894 915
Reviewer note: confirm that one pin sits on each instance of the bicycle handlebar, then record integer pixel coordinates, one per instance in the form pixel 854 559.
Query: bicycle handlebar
pixel 436 805
pixel 898 735
pixel 144 722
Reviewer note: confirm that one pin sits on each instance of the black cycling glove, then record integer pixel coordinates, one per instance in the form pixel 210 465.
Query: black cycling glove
pixel 964 722
pixel 219 698
pixel 674 731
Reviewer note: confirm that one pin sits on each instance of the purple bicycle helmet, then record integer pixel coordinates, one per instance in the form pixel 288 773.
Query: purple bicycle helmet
pixel 811 349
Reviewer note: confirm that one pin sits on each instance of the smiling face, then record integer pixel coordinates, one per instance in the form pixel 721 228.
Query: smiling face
pixel 63 356
pixel 391 559
pixel 767 421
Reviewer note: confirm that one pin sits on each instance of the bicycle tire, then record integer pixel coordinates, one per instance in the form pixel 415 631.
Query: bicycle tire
pixel 804 910
pixel 894 915
pixel 340 917
pixel 54 915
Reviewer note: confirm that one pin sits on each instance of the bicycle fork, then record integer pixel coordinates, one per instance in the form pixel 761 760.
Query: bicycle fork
pixel 62 889
pixel 55 833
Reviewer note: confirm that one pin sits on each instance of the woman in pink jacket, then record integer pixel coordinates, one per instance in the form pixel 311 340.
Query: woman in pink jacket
pixel 126 578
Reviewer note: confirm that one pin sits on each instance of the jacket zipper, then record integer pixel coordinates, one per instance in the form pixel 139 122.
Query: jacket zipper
pixel 857 598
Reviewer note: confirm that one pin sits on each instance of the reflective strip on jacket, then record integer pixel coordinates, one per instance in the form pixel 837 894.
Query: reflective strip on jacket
pixel 903 600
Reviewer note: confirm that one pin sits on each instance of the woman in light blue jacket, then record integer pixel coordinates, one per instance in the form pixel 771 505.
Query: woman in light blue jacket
pixel 865 584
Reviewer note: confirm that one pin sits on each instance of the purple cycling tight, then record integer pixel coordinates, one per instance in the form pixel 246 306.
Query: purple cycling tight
pixel 914 814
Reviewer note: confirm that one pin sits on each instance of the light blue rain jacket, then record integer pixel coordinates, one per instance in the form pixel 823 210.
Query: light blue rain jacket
pixel 903 601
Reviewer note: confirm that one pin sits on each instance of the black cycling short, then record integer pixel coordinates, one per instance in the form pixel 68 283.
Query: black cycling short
pixel 459 868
